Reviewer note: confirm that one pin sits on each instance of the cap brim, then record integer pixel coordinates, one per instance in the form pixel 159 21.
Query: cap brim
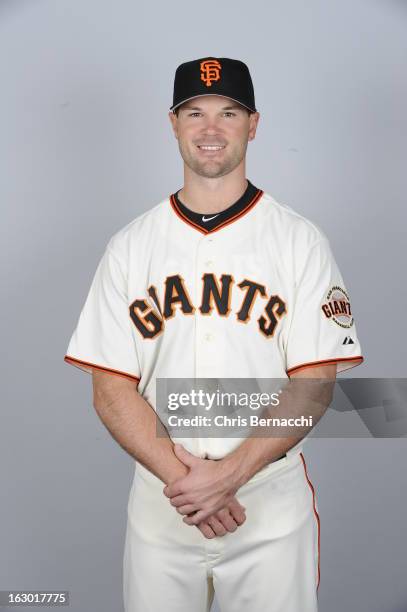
pixel 172 108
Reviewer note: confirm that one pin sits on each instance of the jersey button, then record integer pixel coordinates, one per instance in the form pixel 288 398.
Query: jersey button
pixel 208 337
pixel 209 263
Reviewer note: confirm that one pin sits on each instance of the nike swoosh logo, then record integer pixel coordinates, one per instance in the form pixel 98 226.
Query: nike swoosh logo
pixel 208 218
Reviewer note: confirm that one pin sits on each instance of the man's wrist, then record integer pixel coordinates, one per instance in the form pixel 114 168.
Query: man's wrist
pixel 249 458
pixel 237 468
pixel 179 471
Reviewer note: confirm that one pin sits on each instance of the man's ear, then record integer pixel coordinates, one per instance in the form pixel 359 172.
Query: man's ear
pixel 254 120
pixel 173 118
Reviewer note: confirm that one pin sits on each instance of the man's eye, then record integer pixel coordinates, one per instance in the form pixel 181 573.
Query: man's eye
pixel 226 113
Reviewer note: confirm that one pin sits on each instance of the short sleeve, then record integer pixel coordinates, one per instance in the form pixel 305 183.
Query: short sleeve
pixel 104 338
pixel 322 329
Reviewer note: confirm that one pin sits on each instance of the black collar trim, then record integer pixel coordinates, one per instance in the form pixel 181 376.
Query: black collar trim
pixel 242 206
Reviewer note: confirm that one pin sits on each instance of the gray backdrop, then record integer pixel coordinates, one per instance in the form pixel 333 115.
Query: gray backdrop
pixel 85 147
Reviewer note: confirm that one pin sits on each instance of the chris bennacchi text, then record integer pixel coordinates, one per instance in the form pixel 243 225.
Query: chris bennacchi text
pixel 222 420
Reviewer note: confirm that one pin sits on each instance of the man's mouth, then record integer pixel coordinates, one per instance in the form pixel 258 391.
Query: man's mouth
pixel 211 147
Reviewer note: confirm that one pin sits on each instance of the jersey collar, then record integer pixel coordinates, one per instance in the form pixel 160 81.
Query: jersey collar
pixel 234 212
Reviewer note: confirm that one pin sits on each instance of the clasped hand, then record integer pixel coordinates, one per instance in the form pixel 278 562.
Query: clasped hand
pixel 206 495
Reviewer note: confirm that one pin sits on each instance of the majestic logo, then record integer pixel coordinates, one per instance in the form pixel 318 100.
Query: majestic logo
pixel 210 71
pixel 337 307
pixel 216 297
pixel 348 340
pixel 208 218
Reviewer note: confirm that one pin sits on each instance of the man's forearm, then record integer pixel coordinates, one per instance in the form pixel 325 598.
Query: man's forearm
pixel 254 454
pixel 133 424
pixel 309 394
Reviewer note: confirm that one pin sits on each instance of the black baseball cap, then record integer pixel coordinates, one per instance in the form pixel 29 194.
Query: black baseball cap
pixel 219 76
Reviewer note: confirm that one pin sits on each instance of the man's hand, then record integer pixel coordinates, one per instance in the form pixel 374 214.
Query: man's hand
pixel 208 487
pixel 226 520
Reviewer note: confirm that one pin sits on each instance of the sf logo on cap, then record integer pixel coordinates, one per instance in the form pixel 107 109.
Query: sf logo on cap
pixel 210 71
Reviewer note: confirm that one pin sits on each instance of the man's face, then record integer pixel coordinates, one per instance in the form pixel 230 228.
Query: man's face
pixel 217 122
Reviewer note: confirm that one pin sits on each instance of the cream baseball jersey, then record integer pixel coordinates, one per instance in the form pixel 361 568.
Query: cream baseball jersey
pixel 252 292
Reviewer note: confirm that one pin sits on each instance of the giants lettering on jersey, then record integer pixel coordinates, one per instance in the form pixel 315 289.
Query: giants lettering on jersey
pixel 216 294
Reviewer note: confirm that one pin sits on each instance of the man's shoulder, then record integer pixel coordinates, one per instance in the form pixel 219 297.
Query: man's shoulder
pixel 138 227
pixel 289 223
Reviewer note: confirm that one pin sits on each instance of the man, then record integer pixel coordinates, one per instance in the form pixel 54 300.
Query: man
pixel 217 280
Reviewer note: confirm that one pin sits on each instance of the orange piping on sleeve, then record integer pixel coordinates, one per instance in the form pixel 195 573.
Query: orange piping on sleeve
pixel 313 364
pixel 87 365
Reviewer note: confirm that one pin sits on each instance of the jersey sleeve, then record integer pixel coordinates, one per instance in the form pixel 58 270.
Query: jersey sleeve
pixel 103 338
pixel 322 329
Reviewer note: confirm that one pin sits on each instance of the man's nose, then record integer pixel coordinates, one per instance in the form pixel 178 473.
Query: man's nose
pixel 211 124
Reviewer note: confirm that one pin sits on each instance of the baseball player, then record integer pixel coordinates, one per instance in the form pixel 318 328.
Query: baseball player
pixel 216 280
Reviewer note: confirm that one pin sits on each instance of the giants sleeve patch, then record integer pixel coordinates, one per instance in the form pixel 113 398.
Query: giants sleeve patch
pixel 337 307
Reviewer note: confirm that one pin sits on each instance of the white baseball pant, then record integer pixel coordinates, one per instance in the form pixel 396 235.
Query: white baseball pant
pixel 269 564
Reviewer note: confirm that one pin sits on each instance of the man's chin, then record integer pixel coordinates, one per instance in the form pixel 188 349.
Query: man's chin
pixel 212 170
pixel 213 174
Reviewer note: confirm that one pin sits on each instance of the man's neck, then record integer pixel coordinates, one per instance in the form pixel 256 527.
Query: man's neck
pixel 212 195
